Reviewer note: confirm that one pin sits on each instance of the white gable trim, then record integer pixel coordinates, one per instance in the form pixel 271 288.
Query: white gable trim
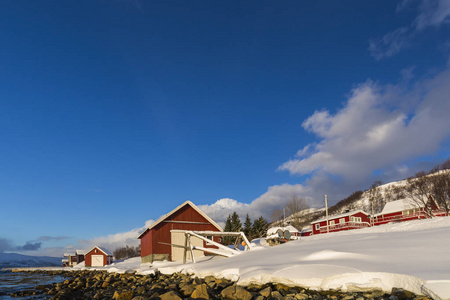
pixel 106 252
pixel 175 210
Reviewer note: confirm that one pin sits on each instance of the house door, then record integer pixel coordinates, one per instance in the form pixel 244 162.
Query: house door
pixel 178 238
pixel 97 261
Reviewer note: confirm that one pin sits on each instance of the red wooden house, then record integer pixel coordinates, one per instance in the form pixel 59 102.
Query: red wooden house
pixel 347 221
pixel 157 239
pixel 407 210
pixel 98 257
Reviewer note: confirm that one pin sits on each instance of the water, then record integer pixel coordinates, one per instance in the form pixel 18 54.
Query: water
pixel 13 282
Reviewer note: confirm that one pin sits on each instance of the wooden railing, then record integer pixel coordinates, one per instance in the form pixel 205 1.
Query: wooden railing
pixel 343 226
pixel 408 217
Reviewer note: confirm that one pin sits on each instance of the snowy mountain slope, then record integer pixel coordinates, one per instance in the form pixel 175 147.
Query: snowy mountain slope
pixel 14 260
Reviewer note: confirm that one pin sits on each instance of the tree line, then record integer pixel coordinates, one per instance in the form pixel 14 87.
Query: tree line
pixel 256 229
pixel 292 209
pixel 127 252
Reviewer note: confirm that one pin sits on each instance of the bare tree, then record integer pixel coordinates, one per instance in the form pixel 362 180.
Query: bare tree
pixel 441 189
pixel 375 198
pixel 276 216
pixel 293 208
pixel 418 190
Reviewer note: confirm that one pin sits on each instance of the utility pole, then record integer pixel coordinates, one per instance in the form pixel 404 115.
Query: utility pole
pixel 326 211
pixel 372 213
pixel 284 217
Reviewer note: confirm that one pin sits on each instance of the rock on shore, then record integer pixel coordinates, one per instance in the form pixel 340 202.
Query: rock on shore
pixel 102 285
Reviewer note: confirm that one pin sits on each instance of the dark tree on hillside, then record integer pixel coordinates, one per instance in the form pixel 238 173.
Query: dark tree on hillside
pixel 248 228
pixel 236 224
pixel 227 240
pixel 260 226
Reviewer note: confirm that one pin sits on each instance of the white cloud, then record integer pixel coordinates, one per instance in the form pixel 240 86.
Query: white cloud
pixel 431 13
pixel 113 241
pixel 378 128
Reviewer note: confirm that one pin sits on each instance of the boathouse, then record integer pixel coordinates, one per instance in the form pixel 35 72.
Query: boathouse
pixel 158 240
pixel 98 257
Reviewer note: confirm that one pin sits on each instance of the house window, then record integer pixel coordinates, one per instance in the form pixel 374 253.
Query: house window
pixel 317 226
pixel 209 237
pixel 355 219
pixel 331 222
pixel 342 220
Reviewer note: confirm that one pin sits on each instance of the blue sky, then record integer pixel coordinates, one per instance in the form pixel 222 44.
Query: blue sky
pixel 112 113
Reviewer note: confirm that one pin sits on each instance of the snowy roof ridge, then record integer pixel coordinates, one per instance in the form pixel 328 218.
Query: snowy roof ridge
pixel 107 252
pixel 175 210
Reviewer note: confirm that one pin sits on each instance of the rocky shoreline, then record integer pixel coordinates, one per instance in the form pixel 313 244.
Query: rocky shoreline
pixel 88 284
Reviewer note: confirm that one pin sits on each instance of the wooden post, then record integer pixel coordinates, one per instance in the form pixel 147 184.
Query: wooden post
pixel 185 247
pixel 326 211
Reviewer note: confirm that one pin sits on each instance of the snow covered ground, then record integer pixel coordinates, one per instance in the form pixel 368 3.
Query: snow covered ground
pixel 411 255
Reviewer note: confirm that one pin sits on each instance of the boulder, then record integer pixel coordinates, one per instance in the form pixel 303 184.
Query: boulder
pixel 171 295
pixel 235 292
pixel 201 291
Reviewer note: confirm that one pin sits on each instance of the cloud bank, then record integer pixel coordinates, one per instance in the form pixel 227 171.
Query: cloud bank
pixel 377 134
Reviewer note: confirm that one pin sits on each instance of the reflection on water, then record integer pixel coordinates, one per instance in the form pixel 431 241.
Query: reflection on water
pixel 13 282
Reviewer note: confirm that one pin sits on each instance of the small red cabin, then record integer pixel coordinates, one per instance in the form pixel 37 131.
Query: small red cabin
pixel 347 221
pixel 98 257
pixel 157 240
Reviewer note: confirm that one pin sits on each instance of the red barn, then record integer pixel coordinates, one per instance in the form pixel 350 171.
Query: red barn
pixel 347 221
pixel 98 257
pixel 407 210
pixel 157 239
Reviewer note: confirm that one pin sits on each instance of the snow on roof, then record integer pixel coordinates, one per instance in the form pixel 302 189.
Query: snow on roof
pixel 398 205
pixel 175 210
pixel 80 252
pixel 69 254
pixel 274 230
pixel 107 252
pixel 339 216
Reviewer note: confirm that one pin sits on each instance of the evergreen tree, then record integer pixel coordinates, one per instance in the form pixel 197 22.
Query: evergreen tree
pixel 236 224
pixel 260 227
pixel 248 228
pixel 228 228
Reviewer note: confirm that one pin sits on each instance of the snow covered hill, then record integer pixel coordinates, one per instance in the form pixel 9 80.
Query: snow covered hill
pixel 14 260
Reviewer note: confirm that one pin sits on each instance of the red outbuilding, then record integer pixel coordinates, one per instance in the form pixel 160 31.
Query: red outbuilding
pixel 407 210
pixel 347 221
pixel 98 257
pixel 157 241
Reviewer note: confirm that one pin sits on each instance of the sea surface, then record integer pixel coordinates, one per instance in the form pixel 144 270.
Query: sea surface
pixel 13 282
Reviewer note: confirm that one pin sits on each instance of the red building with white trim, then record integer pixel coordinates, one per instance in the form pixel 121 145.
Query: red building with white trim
pixel 98 257
pixel 407 210
pixel 346 221
pixel 157 240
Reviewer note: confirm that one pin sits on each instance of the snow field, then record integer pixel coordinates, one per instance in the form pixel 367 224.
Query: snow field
pixel 411 255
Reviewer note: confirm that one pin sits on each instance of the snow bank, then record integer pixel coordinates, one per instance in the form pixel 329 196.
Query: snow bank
pixel 410 255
